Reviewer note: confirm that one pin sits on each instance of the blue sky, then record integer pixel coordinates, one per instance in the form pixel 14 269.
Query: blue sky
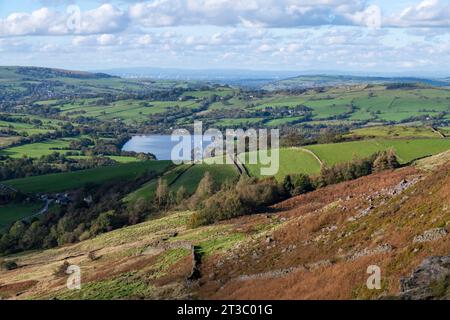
pixel 378 36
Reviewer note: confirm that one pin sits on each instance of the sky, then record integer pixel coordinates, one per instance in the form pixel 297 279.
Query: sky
pixel 349 36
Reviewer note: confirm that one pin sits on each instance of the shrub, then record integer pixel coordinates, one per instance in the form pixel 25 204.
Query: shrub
pixel 247 196
pixel 385 160
pixel 181 195
pixel 297 184
pixel 9 265
pixel 224 205
pixel 162 194
pixel 258 193
pixel 62 269
pixel 206 188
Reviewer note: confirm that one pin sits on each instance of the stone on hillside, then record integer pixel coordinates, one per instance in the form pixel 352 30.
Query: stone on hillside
pixel 431 235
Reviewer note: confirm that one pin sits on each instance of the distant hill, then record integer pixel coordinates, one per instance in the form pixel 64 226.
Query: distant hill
pixel 35 83
pixel 38 73
pixel 311 81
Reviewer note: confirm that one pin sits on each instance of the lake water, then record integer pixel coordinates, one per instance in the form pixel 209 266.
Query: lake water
pixel 161 145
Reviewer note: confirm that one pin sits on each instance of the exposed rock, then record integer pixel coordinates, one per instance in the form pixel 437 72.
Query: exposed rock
pixel 361 214
pixel 319 264
pixel 419 286
pixel 382 248
pixel 431 235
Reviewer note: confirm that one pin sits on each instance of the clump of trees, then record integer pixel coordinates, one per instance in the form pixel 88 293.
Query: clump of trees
pixel 297 184
pixel 233 200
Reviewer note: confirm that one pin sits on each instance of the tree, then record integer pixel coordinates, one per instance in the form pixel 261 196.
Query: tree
pixel 181 195
pixel 301 183
pixel 162 194
pixel 386 160
pixel 206 188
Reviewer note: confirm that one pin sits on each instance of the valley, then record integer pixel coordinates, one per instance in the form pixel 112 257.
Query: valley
pixel 363 178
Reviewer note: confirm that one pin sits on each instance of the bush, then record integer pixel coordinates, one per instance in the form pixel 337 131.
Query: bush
pixel 206 188
pixel 386 160
pixel 9 265
pixel 258 194
pixel 62 269
pixel 224 205
pixel 247 196
pixel 298 184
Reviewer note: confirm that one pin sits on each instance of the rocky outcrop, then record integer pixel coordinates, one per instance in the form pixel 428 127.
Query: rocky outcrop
pixel 431 235
pixel 429 281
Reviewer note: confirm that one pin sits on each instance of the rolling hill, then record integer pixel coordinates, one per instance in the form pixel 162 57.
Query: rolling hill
pixel 313 246
pixel 311 81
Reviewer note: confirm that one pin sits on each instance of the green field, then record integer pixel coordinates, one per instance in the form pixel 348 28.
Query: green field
pixel 13 212
pixel 191 178
pixel 406 149
pixel 395 131
pixel 296 160
pixel 37 150
pixel 187 176
pixel 77 179
pixel 127 110
pixel 147 190
pixel 238 122
pixel 362 104
pixel 293 160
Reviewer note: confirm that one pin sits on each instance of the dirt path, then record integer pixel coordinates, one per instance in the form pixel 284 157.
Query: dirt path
pixel 439 133
pixel 311 153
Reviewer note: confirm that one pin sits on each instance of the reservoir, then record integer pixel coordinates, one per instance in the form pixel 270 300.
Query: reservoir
pixel 161 145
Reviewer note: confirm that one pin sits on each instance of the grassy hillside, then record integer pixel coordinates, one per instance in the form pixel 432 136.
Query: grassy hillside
pixel 342 80
pixel 313 237
pixel 395 132
pixel 72 180
pixel 297 160
pixel 407 150
pixel 49 84
pixel 187 176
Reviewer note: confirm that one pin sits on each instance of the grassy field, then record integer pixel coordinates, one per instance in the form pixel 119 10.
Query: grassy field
pixel 37 150
pixel 365 103
pixel 13 212
pixel 187 176
pixel 296 160
pixel 127 110
pixel 238 122
pixel 147 191
pixel 406 149
pixel 191 178
pixel 72 180
pixel 6 141
pixel 291 161
pixel 395 131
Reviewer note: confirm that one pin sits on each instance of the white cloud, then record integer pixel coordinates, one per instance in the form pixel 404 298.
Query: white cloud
pixel 249 13
pixel 101 40
pixel 428 14
pixel 104 19
pixel 42 21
